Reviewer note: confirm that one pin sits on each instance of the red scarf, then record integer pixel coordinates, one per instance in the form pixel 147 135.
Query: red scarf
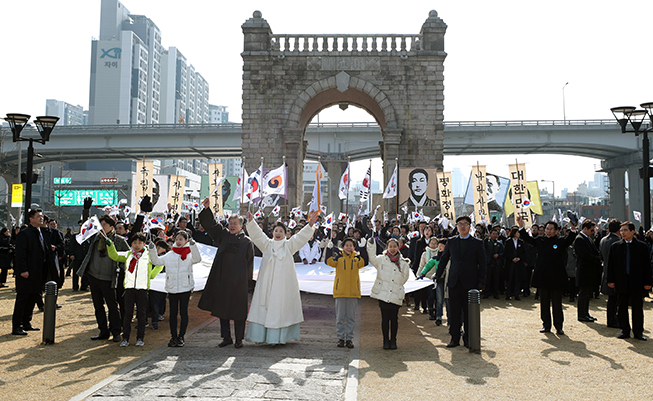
pixel 184 251
pixel 132 263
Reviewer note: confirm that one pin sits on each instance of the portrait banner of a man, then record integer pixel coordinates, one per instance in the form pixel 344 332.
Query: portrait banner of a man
pixel 417 187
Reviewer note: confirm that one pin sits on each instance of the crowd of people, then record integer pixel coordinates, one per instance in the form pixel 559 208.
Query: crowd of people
pixel 117 264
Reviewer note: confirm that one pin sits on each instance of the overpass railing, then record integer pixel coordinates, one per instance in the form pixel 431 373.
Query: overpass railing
pixel 526 123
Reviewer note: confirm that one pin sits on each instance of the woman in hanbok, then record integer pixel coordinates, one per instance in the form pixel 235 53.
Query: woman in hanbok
pixel 276 309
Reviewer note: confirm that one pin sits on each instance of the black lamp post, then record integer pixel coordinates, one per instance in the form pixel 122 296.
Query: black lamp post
pixel 45 125
pixel 634 117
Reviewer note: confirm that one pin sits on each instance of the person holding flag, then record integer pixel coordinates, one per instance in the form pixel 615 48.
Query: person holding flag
pixel 276 309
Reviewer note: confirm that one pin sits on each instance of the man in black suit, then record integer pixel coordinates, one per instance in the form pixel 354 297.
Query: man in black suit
pixel 34 265
pixel 629 273
pixel 588 265
pixel 606 242
pixel 494 251
pixel 467 271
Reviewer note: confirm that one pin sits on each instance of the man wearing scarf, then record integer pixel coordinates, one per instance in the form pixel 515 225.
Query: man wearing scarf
pixel 102 273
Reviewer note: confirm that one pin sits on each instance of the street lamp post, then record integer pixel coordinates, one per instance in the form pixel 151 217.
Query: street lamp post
pixel 564 109
pixel 45 125
pixel 634 117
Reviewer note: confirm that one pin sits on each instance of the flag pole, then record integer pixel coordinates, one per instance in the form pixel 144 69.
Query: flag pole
pixel 397 185
pixel 348 175
pixel 285 186
pixel 260 186
pixel 242 185
pixel 317 182
pixel 369 193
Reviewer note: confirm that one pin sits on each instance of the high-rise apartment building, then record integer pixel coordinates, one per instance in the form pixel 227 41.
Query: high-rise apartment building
pixel 218 114
pixel 134 80
pixel 68 114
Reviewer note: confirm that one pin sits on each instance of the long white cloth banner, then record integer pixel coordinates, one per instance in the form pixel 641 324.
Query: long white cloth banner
pixel 316 279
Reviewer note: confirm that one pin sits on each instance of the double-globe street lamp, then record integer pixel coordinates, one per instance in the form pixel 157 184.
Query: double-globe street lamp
pixel 45 125
pixel 630 115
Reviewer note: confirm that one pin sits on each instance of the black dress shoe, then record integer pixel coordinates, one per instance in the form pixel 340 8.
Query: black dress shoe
pixel 341 343
pixel 466 344
pixel 386 343
pixel 560 332
pixel 239 344
pixel 545 330
pixel 30 328
pixel 225 342
pixel 592 317
pixel 585 319
pixel 18 332
pixel 453 344
pixel 59 306
pixel 101 336
pixel 640 337
pixel 393 344
pixel 117 338
pixel 623 335
pixel 517 298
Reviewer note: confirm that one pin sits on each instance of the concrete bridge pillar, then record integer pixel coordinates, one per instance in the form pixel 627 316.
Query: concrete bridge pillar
pixel 635 192
pixel 15 211
pixel 390 152
pixel 618 193
pixel 335 168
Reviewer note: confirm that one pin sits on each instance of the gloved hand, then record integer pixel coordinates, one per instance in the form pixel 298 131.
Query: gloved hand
pixel 420 277
pixel 88 202
pixel 146 204
pixel 109 242
pixel 337 253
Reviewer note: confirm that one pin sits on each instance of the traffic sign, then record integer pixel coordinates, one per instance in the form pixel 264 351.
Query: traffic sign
pixel 62 180
pixel 101 197
pixel 16 195
pixel 111 180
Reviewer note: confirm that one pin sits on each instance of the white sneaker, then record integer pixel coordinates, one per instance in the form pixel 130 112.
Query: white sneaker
pixel 139 342
pixel 124 343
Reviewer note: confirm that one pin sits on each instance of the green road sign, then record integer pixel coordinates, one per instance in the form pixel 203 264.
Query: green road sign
pixel 101 197
pixel 62 180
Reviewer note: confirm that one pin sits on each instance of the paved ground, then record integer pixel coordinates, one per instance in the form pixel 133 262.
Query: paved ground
pixel 312 369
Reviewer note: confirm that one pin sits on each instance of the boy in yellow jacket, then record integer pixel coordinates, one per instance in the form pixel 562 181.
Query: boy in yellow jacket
pixel 346 289
pixel 138 273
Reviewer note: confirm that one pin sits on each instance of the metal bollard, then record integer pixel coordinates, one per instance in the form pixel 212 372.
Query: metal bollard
pixel 50 312
pixel 474 316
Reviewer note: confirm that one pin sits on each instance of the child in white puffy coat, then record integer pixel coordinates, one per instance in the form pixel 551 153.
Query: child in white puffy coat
pixel 179 281
pixel 392 272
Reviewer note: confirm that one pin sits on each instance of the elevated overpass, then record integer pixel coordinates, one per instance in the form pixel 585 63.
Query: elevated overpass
pixel 601 139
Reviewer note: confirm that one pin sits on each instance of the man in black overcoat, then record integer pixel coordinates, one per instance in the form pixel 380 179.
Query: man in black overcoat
pixel 467 271
pixel 604 247
pixel 588 267
pixel 494 251
pixel 34 266
pixel 629 273
pixel 225 294
pixel 550 273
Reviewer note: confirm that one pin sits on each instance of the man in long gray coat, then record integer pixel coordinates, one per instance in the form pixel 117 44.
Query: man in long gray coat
pixel 225 294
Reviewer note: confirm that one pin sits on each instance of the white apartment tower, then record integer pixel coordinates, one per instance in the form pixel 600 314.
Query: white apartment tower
pixel 134 80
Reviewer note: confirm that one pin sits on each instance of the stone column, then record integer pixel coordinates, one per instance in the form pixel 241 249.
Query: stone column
pixel 256 31
pixel 335 168
pixel 433 32
pixel 295 150
pixel 390 152
pixel 618 193
pixel 635 192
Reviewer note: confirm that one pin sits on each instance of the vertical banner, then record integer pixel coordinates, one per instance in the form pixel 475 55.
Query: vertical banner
pixel 176 192
pixel 480 194
pixel 144 179
pixel 518 193
pixel 446 196
pixel 215 173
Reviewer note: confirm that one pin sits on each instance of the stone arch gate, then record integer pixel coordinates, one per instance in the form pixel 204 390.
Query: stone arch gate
pixel 289 78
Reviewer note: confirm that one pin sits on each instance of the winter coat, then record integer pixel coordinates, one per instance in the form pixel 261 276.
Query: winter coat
pixel 389 284
pixel 604 248
pixel 143 272
pixel 6 251
pixel 427 255
pixel 310 252
pixel 179 273
pixel 640 268
pixel 276 302
pixel 347 283
pixel 550 269
pixel 225 294
pixel 118 242
pixel 31 257
pixel 588 262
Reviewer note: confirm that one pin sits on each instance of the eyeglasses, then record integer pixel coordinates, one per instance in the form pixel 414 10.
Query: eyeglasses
pixel 462 224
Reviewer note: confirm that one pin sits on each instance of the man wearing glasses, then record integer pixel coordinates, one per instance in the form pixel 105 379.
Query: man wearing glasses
pixel 468 270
